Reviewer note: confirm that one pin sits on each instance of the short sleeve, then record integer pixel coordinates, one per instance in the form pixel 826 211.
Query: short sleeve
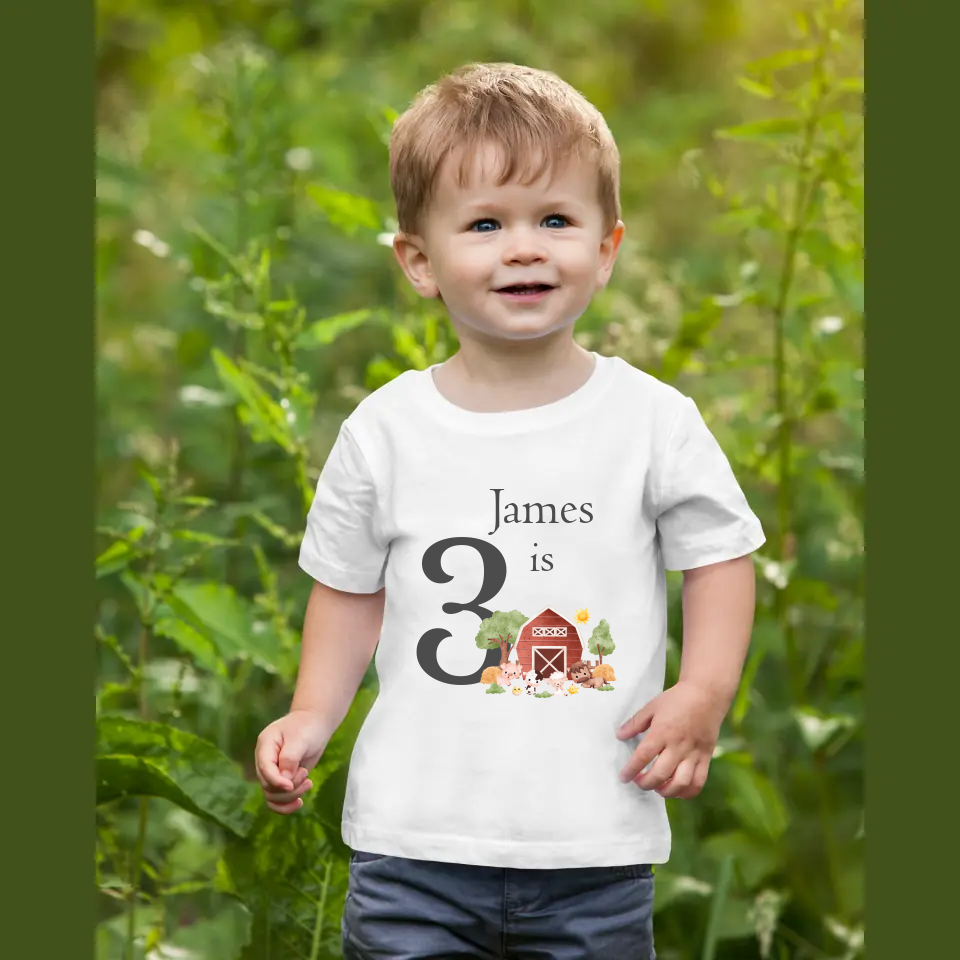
pixel 341 547
pixel 702 515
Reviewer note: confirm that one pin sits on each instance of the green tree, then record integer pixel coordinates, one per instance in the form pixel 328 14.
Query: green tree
pixel 501 631
pixel 600 641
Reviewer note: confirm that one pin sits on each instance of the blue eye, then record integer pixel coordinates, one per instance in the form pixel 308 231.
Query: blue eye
pixel 555 217
pixel 480 226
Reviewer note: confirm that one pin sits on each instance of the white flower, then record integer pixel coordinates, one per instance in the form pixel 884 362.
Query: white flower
pixel 828 325
pixel 385 239
pixel 775 573
pixel 765 915
pixel 195 395
pixel 152 243
pixel 728 299
pixel 299 158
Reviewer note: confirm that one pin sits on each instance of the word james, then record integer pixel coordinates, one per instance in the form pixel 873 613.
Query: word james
pixel 511 512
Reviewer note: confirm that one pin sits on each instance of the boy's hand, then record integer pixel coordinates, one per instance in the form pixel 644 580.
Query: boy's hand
pixel 286 750
pixel 682 725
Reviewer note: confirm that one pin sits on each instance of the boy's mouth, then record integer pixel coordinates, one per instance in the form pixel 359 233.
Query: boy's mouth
pixel 525 289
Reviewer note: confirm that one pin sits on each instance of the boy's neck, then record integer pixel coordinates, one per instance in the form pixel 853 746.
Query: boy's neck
pixel 495 377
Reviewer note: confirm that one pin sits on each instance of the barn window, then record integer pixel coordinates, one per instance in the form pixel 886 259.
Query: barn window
pixel 549 631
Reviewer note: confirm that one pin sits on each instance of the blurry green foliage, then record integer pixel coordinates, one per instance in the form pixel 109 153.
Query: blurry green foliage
pixel 248 301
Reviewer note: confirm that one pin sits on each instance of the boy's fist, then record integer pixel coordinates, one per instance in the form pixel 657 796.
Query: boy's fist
pixel 681 726
pixel 286 750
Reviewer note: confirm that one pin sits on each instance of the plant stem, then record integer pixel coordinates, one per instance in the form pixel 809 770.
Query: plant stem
pixel 135 877
pixel 716 908
pixel 321 906
pixel 146 613
pixel 826 818
pixel 238 345
pixel 802 200
pixel 144 810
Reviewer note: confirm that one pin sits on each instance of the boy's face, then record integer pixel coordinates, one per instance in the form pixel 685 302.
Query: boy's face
pixel 513 262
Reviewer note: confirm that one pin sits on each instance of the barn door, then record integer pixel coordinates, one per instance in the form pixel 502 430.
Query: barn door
pixel 546 660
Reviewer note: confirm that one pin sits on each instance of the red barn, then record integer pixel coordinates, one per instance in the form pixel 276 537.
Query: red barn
pixel 548 641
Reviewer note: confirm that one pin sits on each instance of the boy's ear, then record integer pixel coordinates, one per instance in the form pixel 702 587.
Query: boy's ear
pixel 410 253
pixel 608 253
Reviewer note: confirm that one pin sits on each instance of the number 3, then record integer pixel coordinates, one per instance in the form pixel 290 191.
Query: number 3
pixel 494 577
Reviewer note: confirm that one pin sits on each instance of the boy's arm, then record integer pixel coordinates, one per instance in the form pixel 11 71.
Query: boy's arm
pixel 340 634
pixel 682 724
pixel 718 605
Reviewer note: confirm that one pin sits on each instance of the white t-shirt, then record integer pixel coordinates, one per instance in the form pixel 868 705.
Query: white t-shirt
pixel 563 516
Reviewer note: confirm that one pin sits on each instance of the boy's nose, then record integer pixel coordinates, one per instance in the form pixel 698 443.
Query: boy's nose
pixel 523 246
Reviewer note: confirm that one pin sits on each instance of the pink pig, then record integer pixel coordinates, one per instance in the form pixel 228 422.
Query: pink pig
pixel 510 672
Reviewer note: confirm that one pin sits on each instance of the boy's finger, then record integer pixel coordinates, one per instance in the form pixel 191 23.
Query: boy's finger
pixel 680 782
pixel 664 767
pixel 289 759
pixel 266 758
pixel 639 722
pixel 287 796
pixel 644 755
pixel 697 781
pixel 285 807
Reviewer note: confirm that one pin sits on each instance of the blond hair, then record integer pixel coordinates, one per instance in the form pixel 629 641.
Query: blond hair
pixel 532 116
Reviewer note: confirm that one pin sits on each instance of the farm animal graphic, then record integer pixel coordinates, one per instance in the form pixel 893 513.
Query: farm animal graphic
pixel 581 672
pixel 544 656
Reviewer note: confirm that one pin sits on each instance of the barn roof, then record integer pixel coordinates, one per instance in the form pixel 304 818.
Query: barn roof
pixel 526 623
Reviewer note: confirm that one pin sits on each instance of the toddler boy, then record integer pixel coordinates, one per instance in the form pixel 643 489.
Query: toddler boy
pixel 516 505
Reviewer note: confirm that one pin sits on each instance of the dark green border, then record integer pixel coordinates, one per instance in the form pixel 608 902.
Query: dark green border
pixel 46 82
pixel 912 489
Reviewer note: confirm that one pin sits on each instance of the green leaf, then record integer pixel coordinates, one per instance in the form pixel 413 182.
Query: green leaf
pixel 347 211
pixel 276 530
pixel 196 501
pixel 405 343
pixel 755 858
pixel 191 641
pixel 776 128
pixel 265 417
pixel 757 89
pixel 328 808
pixel 755 800
pixel 141 758
pixel 230 619
pixel 208 539
pixel 671 887
pixel 330 775
pixel 115 557
pixel 222 937
pixel 379 372
pixel 851 85
pixel 340 747
pixel 321 333
pixel 781 61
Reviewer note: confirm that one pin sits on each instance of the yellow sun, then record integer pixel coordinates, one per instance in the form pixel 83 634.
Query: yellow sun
pixel 582 616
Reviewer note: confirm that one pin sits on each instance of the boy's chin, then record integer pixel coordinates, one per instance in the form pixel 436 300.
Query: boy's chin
pixel 517 330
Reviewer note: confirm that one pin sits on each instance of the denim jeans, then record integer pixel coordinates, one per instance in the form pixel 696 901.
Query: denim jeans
pixel 405 909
